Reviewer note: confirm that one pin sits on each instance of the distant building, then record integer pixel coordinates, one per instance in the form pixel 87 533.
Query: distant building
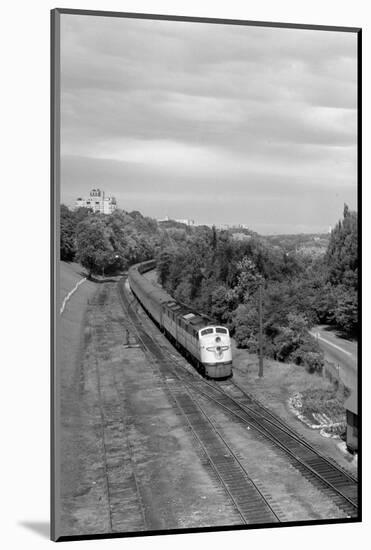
pixel 241 237
pixel 230 226
pixel 185 221
pixel 98 202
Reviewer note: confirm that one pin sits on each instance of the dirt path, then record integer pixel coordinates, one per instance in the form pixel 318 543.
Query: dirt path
pixel 129 461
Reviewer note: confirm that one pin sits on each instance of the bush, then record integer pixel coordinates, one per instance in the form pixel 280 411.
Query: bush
pixel 322 401
pixel 246 326
pixel 294 344
pixel 311 360
pixel 285 344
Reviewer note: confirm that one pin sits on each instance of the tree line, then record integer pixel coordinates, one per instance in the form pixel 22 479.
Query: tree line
pixel 219 275
pixel 106 244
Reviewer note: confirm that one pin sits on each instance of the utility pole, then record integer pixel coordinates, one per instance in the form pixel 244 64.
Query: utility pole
pixel 260 331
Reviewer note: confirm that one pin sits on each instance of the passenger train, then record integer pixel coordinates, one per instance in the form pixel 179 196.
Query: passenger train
pixel 204 342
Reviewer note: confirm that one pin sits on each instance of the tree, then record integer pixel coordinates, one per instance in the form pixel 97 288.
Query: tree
pixel 248 279
pixel 342 272
pixel 346 310
pixel 342 253
pixel 294 344
pixel 223 302
pixel 164 261
pixel 246 326
pixel 94 249
pixel 67 234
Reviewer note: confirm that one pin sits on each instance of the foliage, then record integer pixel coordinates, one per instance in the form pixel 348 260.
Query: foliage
pixel 223 301
pixel 107 243
pixel 323 401
pixel 293 343
pixel 342 272
pixel 246 326
pixel 302 284
pixel 220 275
pixel 67 234
pixel 94 250
pixel 345 311
pixel 342 254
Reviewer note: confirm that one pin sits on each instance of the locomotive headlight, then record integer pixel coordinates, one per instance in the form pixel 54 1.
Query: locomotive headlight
pixel 217 339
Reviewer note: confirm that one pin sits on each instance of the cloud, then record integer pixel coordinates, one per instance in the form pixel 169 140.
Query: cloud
pixel 204 106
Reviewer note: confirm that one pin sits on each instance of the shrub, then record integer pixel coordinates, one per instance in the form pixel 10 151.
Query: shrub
pixel 311 360
pixel 246 325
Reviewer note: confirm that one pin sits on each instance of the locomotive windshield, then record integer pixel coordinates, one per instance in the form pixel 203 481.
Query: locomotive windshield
pixel 222 330
pixel 207 331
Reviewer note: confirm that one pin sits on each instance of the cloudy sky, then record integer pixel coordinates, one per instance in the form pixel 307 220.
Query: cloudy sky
pixel 217 123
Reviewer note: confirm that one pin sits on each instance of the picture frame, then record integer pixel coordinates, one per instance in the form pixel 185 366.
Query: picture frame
pixel 60 298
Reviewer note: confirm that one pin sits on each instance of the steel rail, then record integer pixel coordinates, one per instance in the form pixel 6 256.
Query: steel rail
pixel 234 456
pixel 103 421
pixel 132 460
pixel 254 423
pixel 278 425
pixel 217 470
pixel 277 421
pixel 266 514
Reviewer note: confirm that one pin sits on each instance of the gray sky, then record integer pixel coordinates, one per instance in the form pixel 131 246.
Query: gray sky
pixel 218 123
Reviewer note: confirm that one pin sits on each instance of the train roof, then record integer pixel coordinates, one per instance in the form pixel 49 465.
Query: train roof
pixel 188 314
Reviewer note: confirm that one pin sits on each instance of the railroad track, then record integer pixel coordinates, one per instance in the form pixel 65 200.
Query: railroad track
pixel 305 458
pixel 328 477
pixel 126 511
pixel 250 503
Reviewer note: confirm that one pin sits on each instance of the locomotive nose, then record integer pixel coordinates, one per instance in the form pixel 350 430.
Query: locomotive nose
pixel 218 340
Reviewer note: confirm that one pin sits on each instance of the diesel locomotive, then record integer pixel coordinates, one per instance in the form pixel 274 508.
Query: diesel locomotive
pixel 206 343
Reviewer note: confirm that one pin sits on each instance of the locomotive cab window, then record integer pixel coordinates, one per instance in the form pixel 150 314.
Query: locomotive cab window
pixel 207 331
pixel 222 330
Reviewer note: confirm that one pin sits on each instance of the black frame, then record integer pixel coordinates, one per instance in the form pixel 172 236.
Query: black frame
pixel 55 254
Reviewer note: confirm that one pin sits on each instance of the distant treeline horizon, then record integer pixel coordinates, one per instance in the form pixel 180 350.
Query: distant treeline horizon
pixel 306 279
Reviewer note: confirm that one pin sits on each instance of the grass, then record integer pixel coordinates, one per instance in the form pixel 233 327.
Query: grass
pixel 283 380
pixel 70 273
pixel 324 401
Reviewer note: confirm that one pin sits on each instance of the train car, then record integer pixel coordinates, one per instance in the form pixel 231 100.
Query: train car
pixel 149 296
pixel 204 342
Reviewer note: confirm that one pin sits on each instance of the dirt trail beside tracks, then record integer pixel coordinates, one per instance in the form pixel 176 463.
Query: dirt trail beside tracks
pixel 129 461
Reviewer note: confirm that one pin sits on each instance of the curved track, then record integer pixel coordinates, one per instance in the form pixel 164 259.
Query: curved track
pixel 251 504
pixel 325 475
pixel 310 462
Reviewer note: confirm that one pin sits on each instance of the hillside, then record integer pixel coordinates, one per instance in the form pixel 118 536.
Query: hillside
pixel 311 244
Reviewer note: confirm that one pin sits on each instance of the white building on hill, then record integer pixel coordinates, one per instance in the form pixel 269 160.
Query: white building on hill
pixel 98 202
pixel 185 221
